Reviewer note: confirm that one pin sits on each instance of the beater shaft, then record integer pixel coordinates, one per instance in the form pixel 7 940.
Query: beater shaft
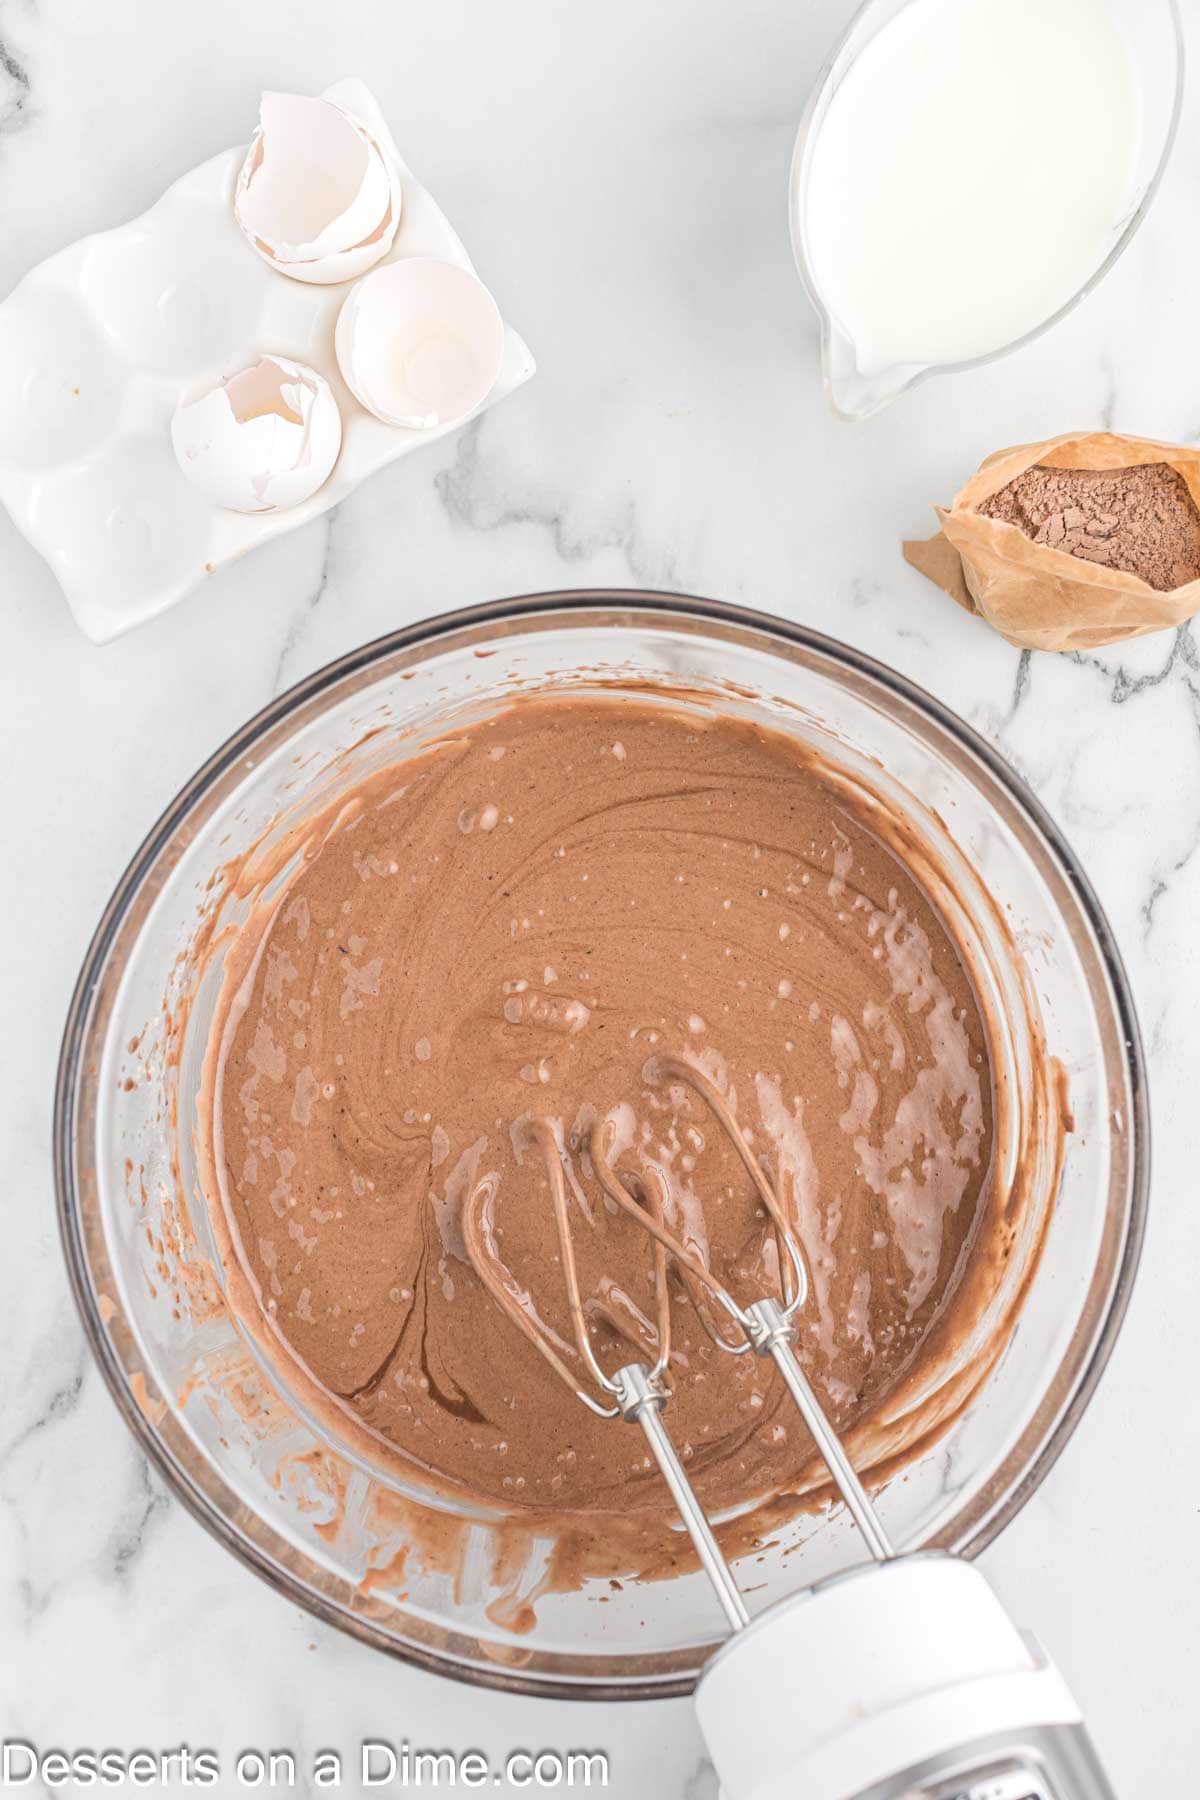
pixel 639 1399
pixel 772 1335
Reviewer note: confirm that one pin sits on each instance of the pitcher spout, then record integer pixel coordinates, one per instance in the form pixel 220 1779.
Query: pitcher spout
pixel 856 392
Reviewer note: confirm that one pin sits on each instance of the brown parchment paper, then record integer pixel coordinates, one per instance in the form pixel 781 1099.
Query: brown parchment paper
pixel 1043 599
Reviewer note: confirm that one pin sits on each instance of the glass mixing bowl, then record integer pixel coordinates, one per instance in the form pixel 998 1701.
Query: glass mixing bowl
pixel 1152 32
pixel 321 1524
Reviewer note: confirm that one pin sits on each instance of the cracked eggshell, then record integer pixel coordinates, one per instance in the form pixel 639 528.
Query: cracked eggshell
pixel 420 343
pixel 316 197
pixel 261 441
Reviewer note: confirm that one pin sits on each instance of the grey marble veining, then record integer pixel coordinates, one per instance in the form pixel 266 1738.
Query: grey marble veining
pixel 620 174
pixel 14 90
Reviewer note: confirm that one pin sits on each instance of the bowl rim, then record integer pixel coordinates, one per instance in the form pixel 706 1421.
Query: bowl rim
pixel 649 604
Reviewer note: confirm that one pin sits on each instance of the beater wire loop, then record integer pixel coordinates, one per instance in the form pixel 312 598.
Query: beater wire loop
pixel 639 1393
pixel 793 1275
pixel 479 1236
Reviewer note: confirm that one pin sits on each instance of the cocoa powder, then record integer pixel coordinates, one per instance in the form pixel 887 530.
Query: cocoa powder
pixel 1141 520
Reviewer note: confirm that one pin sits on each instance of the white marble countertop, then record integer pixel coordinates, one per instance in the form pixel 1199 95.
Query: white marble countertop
pixel 619 173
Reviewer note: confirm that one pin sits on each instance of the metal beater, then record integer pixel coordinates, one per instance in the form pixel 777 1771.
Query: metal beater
pixel 902 1679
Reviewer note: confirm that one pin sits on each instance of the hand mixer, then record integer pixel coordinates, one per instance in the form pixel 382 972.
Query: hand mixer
pixel 900 1679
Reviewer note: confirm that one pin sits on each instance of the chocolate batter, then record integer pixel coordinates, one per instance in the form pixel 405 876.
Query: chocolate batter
pixel 514 927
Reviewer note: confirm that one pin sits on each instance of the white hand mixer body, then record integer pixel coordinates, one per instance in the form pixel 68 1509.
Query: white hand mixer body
pixel 898 1680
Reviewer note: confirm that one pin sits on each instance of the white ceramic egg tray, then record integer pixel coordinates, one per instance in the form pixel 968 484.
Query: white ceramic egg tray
pixel 98 345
